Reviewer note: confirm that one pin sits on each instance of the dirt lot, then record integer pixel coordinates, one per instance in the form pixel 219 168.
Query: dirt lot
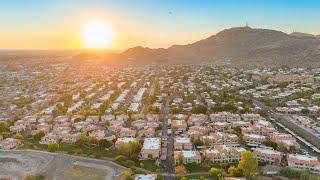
pixel 17 164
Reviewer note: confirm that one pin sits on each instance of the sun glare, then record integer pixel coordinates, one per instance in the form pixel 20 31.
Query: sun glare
pixel 96 34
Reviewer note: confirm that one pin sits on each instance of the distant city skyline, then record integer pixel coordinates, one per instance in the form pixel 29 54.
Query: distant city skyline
pixel 47 24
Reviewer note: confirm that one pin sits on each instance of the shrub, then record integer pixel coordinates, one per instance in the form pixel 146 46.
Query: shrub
pixel 34 177
pixel 120 158
pixel 290 173
pixel 215 172
pixel 53 147
pixel 129 163
pixel 126 175
pixel 38 136
pixel 18 136
pixel 141 165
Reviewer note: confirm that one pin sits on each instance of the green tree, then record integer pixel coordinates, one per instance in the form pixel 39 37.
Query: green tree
pixel 234 171
pixel 248 164
pixel 53 147
pixel 103 143
pixel 180 159
pixel 38 136
pixel 4 126
pixel 34 177
pixel 215 172
pixel 197 142
pixel 18 136
pixel 270 144
pixel 199 109
pixel 292 149
pixel 130 149
pixel 120 158
pixel 304 175
pixel 305 111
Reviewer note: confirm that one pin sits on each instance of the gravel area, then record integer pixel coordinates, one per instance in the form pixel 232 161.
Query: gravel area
pixel 16 164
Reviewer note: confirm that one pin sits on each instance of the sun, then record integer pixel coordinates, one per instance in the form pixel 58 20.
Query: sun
pixel 96 34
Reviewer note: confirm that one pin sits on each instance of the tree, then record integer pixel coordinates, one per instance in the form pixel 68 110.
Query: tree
pixel 248 164
pixel 174 128
pixel 180 159
pixel 197 142
pixel 270 144
pixel 103 143
pixel 237 131
pixel 199 109
pixel 130 149
pixel 292 149
pixel 282 148
pixel 38 136
pixel 120 158
pixel 215 172
pixel 233 171
pixel 126 175
pixel 180 169
pixel 129 163
pixel 305 111
pixel 53 147
pixel 4 126
pixel 304 175
pixel 205 161
pixel 18 136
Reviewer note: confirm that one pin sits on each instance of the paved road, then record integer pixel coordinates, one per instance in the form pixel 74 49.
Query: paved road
pixel 168 163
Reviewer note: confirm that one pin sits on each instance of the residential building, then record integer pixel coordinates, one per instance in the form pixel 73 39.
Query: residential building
pixel 151 148
pixel 188 157
pixel 267 155
pixel 304 162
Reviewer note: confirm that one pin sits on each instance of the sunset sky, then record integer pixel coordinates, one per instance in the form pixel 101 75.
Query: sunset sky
pixel 58 24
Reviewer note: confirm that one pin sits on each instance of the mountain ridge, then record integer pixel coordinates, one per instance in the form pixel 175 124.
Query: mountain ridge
pixel 240 46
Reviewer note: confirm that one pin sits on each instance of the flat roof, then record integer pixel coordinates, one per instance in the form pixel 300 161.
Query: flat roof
pixel 303 157
pixel 151 143
pixel 182 139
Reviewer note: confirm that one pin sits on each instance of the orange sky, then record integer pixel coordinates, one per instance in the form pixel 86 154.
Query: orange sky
pixel 49 24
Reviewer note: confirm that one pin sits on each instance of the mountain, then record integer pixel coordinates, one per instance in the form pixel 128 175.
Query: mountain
pixel 240 46
pixel 299 34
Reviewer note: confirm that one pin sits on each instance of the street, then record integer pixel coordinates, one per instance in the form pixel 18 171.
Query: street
pixel 168 163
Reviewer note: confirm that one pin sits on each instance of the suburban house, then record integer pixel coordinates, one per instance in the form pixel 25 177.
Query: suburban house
pixel 250 117
pixel 127 132
pixel 254 139
pixel 151 148
pixel 304 162
pixel 197 119
pixel 267 155
pixel 124 140
pixel 287 140
pixel 49 138
pixel 219 138
pixel 224 154
pixel 180 125
pixel 188 157
pixel 71 138
pixel 182 143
